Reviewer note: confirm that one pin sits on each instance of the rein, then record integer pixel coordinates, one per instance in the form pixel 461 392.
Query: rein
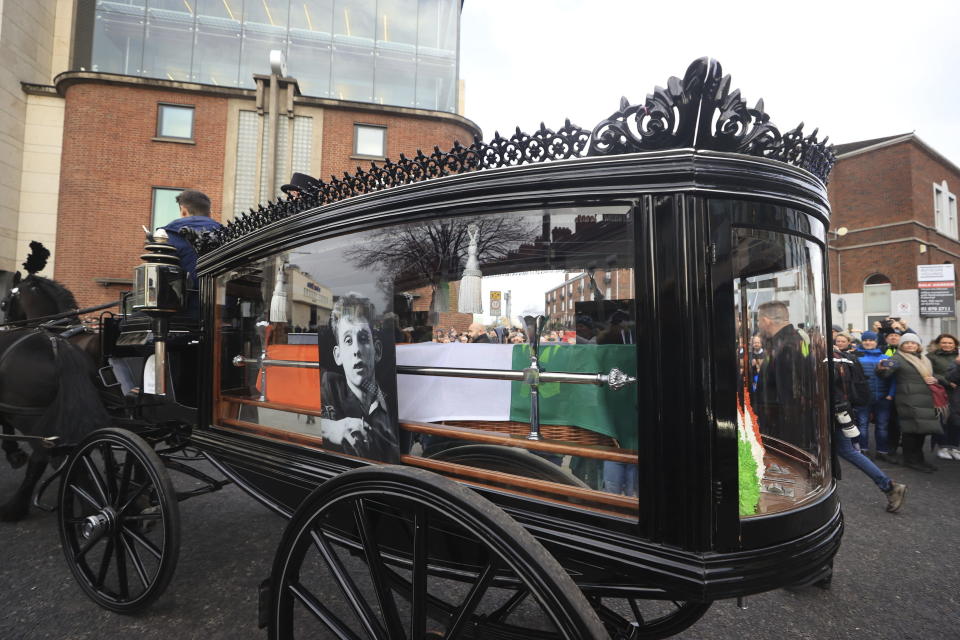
pixel 49 320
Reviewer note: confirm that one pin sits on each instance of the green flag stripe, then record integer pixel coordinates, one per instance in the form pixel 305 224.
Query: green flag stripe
pixel 612 413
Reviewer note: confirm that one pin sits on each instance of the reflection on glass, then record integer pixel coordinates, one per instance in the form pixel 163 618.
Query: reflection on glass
pixel 217 53
pixel 778 287
pixel 411 283
pixel 396 52
pixel 397 22
pixel 436 82
pixel 118 36
pixel 352 74
pixel 396 75
pixel 308 60
pixel 264 29
pixel 168 45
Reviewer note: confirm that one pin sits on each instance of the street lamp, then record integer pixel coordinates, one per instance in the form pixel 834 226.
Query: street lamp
pixel 839 233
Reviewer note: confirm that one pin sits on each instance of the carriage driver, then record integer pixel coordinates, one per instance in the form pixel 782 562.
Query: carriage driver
pixel 195 215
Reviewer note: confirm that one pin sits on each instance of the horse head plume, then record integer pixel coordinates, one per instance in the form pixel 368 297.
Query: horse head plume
pixel 37 258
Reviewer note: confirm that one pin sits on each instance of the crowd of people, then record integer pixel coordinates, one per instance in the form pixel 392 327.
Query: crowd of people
pixel 887 378
pixel 617 330
pixel 891 390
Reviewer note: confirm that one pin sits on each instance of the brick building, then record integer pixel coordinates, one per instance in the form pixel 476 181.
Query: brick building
pixel 895 198
pixel 127 102
pixel 560 302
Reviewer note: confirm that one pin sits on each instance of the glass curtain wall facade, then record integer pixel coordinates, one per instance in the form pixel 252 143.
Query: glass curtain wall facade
pixel 391 52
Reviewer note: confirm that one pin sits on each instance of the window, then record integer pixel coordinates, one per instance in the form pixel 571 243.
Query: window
pixel 174 121
pixel 877 278
pixel 165 207
pixel 369 140
pixel 945 209
pixel 778 292
pixel 305 305
pixel 876 298
pixel 399 52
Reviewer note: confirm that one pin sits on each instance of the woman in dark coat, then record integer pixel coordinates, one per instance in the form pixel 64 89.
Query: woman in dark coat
pixel 944 359
pixel 913 371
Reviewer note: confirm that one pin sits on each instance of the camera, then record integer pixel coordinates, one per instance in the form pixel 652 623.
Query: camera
pixel 842 415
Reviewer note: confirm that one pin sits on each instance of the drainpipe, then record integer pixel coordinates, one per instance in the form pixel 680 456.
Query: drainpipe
pixel 277 70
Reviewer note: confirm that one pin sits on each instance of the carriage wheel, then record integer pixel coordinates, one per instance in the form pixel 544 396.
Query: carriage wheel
pixel 645 619
pixel 119 520
pixel 414 555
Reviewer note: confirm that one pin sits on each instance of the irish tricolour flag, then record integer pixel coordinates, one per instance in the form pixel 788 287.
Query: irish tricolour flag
pixel 750 458
pixel 435 399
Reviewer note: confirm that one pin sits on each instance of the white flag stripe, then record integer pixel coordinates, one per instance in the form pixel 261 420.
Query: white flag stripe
pixel 432 398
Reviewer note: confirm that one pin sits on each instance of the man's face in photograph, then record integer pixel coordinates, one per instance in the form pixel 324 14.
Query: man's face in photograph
pixel 356 351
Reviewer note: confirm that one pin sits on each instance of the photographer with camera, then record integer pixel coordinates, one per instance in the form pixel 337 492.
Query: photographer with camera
pixel 848 392
pixel 891 326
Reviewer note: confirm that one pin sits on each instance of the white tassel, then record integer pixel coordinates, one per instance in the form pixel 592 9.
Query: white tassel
pixel 470 299
pixel 278 302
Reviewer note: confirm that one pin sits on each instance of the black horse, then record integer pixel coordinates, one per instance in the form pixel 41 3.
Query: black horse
pixel 47 380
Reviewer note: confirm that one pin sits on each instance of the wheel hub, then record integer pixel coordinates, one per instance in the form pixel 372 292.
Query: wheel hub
pixel 95 526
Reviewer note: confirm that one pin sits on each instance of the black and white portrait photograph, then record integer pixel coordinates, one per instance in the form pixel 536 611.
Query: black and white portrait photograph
pixel 358 397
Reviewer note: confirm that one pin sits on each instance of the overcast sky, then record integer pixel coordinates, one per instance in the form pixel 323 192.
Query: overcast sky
pixel 856 70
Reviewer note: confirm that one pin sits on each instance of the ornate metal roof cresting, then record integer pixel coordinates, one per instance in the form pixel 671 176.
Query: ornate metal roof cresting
pixel 698 111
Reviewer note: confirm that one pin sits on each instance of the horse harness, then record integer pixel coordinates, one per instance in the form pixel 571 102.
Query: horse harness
pixel 55 339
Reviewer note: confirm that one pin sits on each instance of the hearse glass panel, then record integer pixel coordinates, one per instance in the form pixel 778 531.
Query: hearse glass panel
pixel 782 345
pixel 310 341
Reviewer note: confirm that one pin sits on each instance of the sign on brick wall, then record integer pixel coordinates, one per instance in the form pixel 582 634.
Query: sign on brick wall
pixel 937 287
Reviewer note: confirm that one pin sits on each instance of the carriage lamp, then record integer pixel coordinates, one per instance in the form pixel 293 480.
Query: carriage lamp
pixel 159 292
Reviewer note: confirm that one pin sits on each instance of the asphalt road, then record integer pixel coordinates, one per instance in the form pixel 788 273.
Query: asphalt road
pixel 896 576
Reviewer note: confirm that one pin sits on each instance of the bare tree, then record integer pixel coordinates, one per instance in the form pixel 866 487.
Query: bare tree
pixel 432 252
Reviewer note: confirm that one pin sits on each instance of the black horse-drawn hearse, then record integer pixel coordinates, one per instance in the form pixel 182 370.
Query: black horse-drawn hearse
pixel 606 468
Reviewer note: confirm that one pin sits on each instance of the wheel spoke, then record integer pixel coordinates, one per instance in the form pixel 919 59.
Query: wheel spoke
pixel 372 553
pixel 142 516
pixel 146 544
pixel 86 497
pixel 636 611
pixel 137 494
pixel 367 617
pixel 418 591
pixel 136 560
pixel 610 617
pixel 125 473
pixel 110 470
pixel 473 599
pixel 504 610
pixel 122 572
pixel 104 564
pixel 94 474
pixel 321 612
pixel 87 545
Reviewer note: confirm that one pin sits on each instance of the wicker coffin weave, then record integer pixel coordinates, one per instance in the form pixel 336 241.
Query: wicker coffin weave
pixel 563 433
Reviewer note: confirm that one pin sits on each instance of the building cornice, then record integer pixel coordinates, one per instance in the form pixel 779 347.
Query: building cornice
pixel 899 223
pixel 32 89
pixel 909 137
pixel 914 239
pixel 874 147
pixel 67 79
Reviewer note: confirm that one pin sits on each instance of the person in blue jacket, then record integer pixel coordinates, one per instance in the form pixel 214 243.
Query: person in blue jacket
pixel 882 392
pixel 194 215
